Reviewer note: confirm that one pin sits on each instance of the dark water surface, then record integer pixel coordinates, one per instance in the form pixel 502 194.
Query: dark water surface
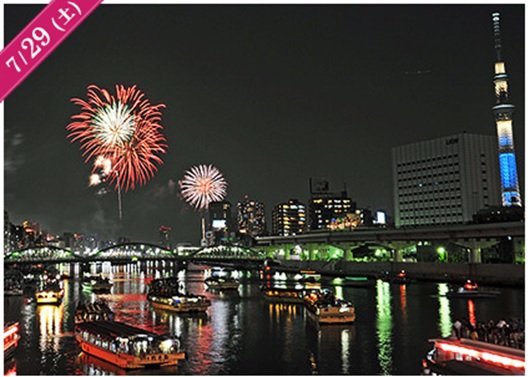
pixel 242 334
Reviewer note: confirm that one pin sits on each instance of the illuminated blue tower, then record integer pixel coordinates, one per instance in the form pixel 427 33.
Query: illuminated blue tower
pixel 503 112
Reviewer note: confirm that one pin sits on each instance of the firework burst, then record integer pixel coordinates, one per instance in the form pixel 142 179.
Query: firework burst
pixel 121 129
pixel 202 185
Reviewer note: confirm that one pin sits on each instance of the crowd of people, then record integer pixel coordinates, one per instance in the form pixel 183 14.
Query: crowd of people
pixel 508 333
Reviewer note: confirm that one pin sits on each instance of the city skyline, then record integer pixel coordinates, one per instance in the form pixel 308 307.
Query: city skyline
pixel 270 94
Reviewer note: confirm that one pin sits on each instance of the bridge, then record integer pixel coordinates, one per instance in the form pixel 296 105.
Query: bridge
pixel 341 244
pixel 322 245
pixel 138 251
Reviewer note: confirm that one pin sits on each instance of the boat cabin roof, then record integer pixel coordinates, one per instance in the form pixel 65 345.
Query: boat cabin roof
pixel 111 329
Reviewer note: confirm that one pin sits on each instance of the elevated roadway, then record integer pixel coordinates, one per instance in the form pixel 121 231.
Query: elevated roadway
pixel 451 233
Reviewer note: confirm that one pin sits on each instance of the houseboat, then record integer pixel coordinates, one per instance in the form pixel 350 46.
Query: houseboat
pixel 182 303
pixel 49 294
pixel 283 295
pixel 97 284
pixel 11 338
pixel 325 308
pixel 451 356
pixel 169 294
pixel 221 283
pixel 126 346
pixel 399 278
pixel 96 311
pixel 471 290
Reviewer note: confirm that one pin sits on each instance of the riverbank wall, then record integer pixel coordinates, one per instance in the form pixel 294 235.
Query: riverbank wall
pixel 482 273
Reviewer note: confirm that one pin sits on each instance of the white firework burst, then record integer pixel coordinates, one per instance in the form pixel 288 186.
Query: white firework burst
pixel 114 124
pixel 202 185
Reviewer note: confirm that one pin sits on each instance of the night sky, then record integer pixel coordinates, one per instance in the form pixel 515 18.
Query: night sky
pixel 270 94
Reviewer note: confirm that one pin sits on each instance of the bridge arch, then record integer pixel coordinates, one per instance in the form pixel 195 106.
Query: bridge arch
pixel 227 252
pixel 133 251
pixel 40 254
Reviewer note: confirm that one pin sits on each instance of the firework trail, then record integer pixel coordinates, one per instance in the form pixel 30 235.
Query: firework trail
pixel 121 133
pixel 202 185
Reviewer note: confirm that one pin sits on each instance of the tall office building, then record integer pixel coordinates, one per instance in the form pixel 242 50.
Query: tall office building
pixel 445 180
pixel 220 214
pixel 503 113
pixel 326 209
pixel 251 217
pixel 289 218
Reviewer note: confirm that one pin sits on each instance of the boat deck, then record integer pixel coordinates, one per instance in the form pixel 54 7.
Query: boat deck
pixel 115 329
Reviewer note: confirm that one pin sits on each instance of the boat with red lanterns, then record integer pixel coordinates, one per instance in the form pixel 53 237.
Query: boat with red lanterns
pixel 11 338
pixel 326 308
pixel 452 356
pixel 126 346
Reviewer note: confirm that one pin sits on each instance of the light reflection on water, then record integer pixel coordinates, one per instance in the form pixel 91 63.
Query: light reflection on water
pixel 444 310
pixel 384 326
pixel 345 338
pixel 244 334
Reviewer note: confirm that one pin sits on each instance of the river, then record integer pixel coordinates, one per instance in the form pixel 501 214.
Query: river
pixel 242 334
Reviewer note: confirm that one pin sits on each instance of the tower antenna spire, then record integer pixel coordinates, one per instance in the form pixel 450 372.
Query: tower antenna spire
pixel 497 34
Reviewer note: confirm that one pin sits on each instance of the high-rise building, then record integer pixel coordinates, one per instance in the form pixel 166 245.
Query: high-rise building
pixel 289 218
pixel 251 217
pixel 445 180
pixel 220 224
pixel 327 208
pixel 503 112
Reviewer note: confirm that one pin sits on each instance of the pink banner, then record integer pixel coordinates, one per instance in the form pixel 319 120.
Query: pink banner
pixel 39 39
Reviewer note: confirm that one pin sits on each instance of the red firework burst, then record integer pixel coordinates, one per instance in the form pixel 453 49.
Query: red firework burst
pixel 123 128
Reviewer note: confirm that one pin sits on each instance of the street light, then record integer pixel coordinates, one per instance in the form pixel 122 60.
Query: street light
pixel 442 254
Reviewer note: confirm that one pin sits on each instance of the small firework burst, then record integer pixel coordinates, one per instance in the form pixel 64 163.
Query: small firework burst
pixel 202 185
